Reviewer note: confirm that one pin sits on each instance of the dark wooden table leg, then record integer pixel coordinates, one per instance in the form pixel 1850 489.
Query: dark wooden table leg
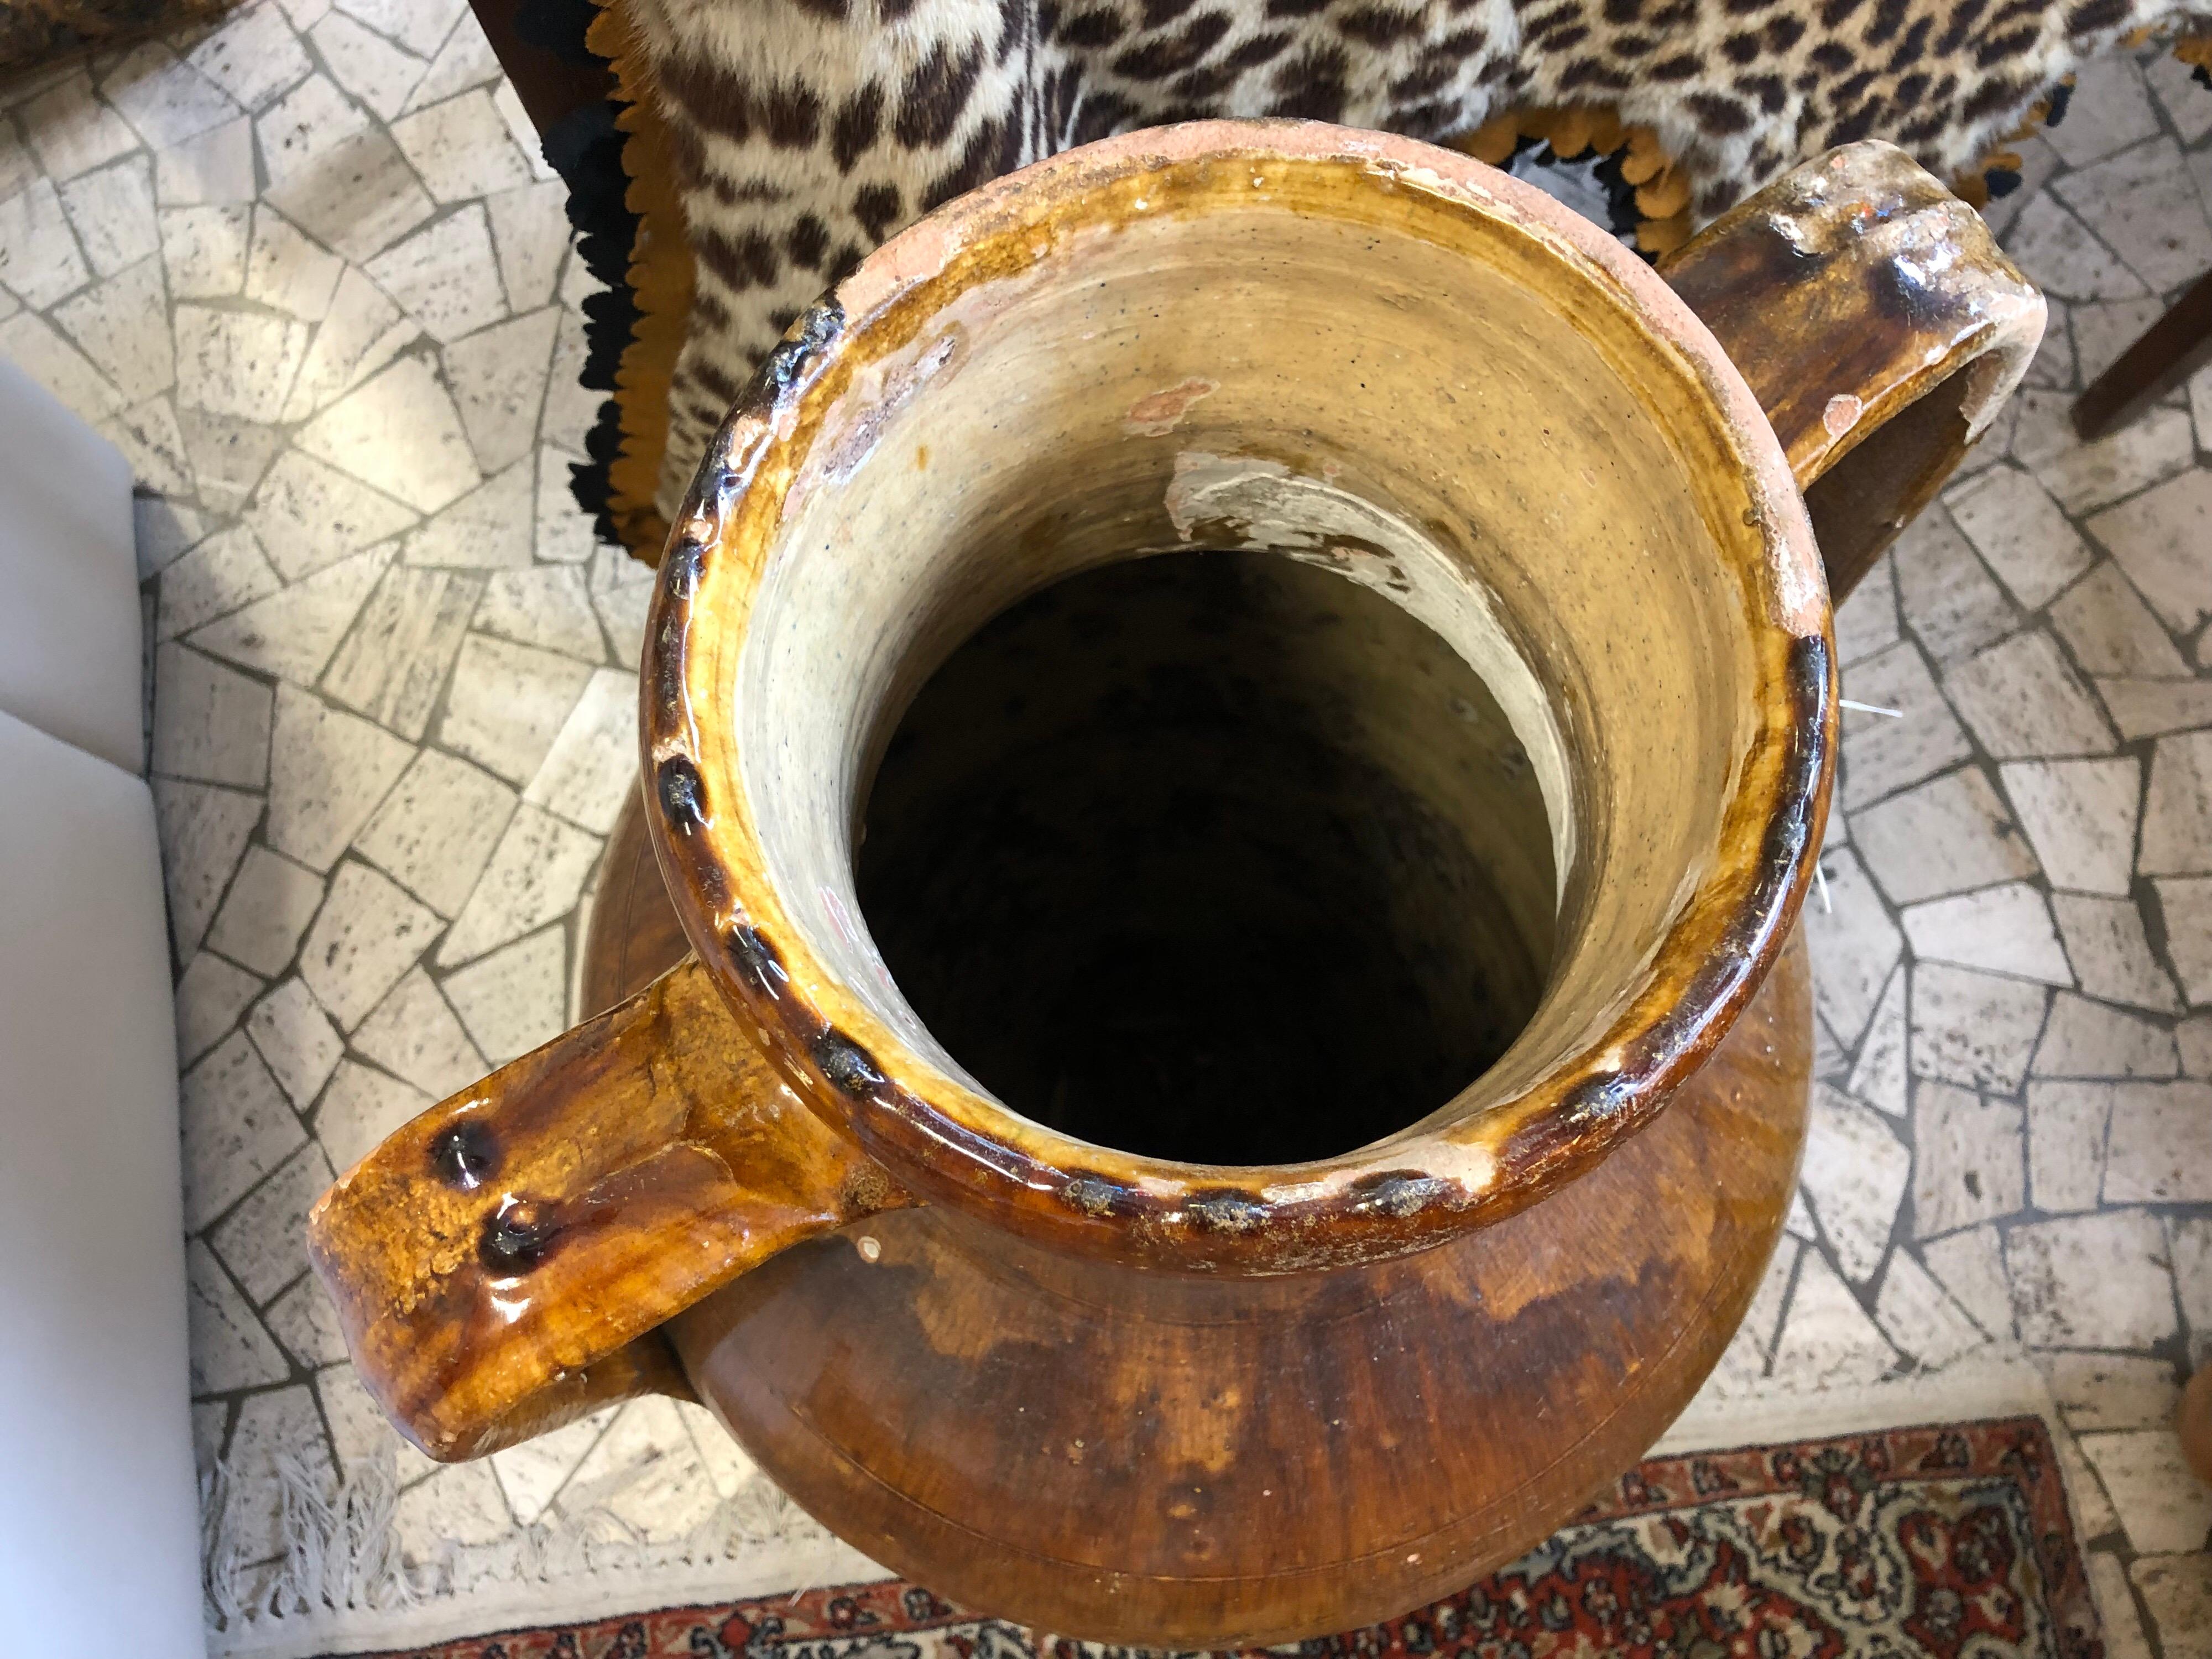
pixel 2174 347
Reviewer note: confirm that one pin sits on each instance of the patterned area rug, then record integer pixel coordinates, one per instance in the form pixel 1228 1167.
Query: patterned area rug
pixel 1951 1539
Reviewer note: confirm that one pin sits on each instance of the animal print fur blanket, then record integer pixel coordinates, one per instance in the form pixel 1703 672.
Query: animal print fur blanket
pixel 801 133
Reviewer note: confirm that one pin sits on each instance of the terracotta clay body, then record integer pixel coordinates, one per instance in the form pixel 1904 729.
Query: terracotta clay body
pixel 1322 388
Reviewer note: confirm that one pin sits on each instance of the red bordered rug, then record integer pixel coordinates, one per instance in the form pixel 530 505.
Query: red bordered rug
pixel 1952 1540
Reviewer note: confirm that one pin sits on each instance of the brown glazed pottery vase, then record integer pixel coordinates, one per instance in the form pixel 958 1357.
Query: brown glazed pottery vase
pixel 1237 724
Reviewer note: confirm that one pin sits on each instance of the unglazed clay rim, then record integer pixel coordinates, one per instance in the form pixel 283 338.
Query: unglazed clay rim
pixel 951 1144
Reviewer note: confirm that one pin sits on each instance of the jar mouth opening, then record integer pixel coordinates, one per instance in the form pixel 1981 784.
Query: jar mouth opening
pixel 1383 367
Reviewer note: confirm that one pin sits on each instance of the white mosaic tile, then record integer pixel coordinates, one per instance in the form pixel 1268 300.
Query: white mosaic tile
pixel 39 260
pixel 399 432
pixel 308 515
pixel 2163 1507
pixel 1855 944
pixel 1955 606
pixel 253 56
pixel 263 1242
pixel 623 608
pixel 2021 699
pixel 211 993
pixel 29 342
pixel 2102 332
pixel 361 1107
pixel 2005 930
pixel 203 832
pixel 498 380
pixel 2110 954
pixel 237 1128
pixel 334 174
pixel 379 74
pixel 280 1423
pixel 2116 1607
pixel 121 326
pixel 592 767
pixel 465 60
pixel 536 874
pixel 152 441
pixel 2141 203
pixel 571 407
pixel 359 1433
pixel 2177 825
pixel 488 529
pixel 1969 1265
pixel 1854 1174
pixel 296 1040
pixel 530 228
pixel 367 935
pixel 2086 477
pixel 437 828
pixel 1866 622
pixel 645 1470
pixel 229 1347
pixel 1827 1341
pixel 520 128
pixel 515 999
pixel 460 150
pixel 1879 1076
pixel 531 1473
pixel 2185 903
pixel 1948 835
pixel 224 572
pixel 2061 255
pixel 331 768
pixel 460 1505
pixel 2151 709
pixel 239 364
pixel 2109 110
pixel 2066 1124
pixel 547 605
pixel 2081 818
pixel 284 270
pixel 508 703
pixel 415 1035
pixel 71 131
pixel 420 26
pixel 2161 1150
pixel 2194 1037
pixel 227 457
pixel 1971 1028
pixel 564 532
pixel 392 665
pixel 293 632
pixel 302 1320
pixel 2053 364
pixel 164 530
pixel 113 213
pixel 2092 1281
pixel 2158 539
pixel 446 276
pixel 164 99
pixel 267 908
pixel 2083 1038
pixel 1967 1163
pixel 363 330
pixel 2111 1390
pixel 1917 1314
pixel 1882 755
pixel 210 722
pixel 2177 1590
pixel 215 167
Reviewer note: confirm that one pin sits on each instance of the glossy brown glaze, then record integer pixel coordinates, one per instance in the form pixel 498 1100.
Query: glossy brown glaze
pixel 1880 327
pixel 491 1261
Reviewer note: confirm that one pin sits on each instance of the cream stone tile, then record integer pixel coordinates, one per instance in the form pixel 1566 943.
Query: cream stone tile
pixel 2173 84
pixel 2110 631
pixel 565 535
pixel 1867 622
pixel 292 633
pixel 2195 1037
pixel 2053 364
pixel 39 260
pixel 592 767
pixel 253 56
pixel 520 128
pixel 239 364
pixel 263 1242
pixel 1948 835
pixel 488 529
pixel 2162 1144
pixel 236 1128
pixel 536 874
pixel 531 1473
pixel 530 228
pixel 267 908
pixel 71 131
pixel 2177 1590
pixel 2186 906
pixel 399 432
pixel 2066 1124
pixel 203 833
pixel 164 99
pixel 392 664
pixel 1947 595
pixel 2110 110
pixel 1855 944
pixel 2116 1607
pixel 227 456
pixel 460 150
pixel 296 1040
pixel 229 1347
pixel 211 993
pixel 153 442
pixel 2092 1281
pixel 2111 1390
pixel 369 66
pixel 1967 1163
pixel 336 175
pixel 1969 1265
pixel 2158 539
pixel 1854 1176
pixel 361 1107
pixel 330 770
pixel 415 1035
pixel 2063 257
pixel 445 275
pixel 2102 332
pixel 362 333
pixel 645 1470
pixel 2164 1508
pixel 1879 1076
pixel 303 1320
pixel 29 342
pixel 215 167
pixel 2086 477
pixel 437 828
pixel 2111 956
pixel 509 703
pixel 310 515
pixel 465 60
pixel 2151 709
pixel 366 937
pixel 1827 1341
pixel 360 1433
pixel 498 380
pixel 121 325
pixel 546 605
pixel 2022 700
pixel 286 270
pixel 2087 1039
pixel 571 407
pixel 461 1504
pixel 420 26
pixel 113 213
pixel 164 530
pixel 2143 205
pixel 279 1422
pixel 2080 816
pixel 211 723
pixel 2177 827
pixel 515 999
pixel 1971 1028
pixel 1880 755
pixel 223 572
pixel 2004 930
pixel 623 610
pixel 1916 1313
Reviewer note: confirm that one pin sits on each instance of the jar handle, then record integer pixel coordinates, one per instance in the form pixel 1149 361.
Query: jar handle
pixel 1878 323
pixel 501 1262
